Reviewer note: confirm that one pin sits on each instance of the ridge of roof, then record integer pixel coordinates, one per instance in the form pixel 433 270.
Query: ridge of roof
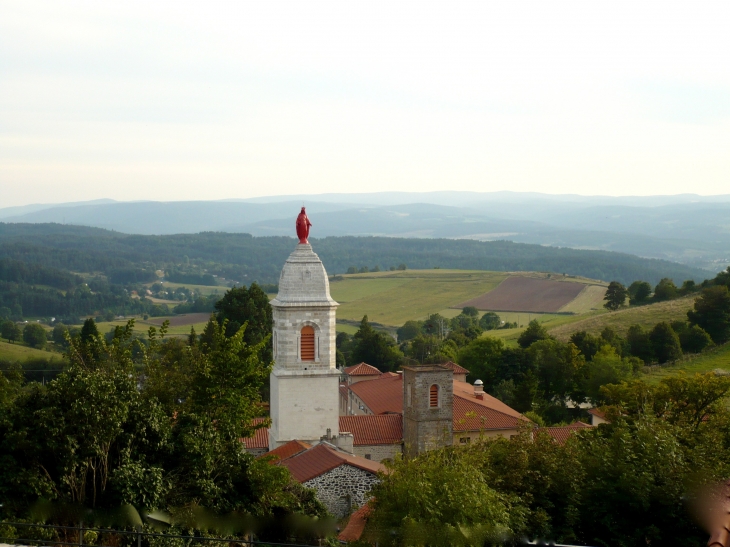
pixel 466 391
pixel 471 416
pixel 381 395
pixel 373 429
pixel 458 369
pixel 562 433
pixel 322 458
pixel 287 450
pixel 362 369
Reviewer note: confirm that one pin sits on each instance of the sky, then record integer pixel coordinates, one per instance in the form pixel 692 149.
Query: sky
pixel 217 100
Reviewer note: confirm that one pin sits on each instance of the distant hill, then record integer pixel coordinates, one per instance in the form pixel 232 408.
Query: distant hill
pixel 689 229
pixel 244 258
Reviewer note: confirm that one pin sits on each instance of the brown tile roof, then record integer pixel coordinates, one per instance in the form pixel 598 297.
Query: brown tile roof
pixel 355 525
pixel 465 390
pixel 561 434
pixel 343 391
pixel 458 369
pixel 470 415
pixel 382 395
pixel 260 437
pixel 292 448
pixel 323 458
pixel 370 430
pixel 363 369
pixel 385 395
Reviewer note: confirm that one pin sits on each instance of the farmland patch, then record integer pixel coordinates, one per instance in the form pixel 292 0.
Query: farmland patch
pixel 527 294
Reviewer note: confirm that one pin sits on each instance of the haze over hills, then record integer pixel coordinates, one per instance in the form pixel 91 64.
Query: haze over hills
pixel 687 228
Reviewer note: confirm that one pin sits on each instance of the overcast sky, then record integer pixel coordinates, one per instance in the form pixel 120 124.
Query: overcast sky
pixel 212 100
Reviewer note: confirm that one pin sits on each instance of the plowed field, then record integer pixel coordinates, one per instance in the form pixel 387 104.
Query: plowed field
pixel 527 294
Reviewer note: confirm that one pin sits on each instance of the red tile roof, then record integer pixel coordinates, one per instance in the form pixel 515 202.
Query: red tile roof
pixel 382 395
pixel 458 369
pixel 323 458
pixel 370 430
pixel 385 395
pixel 355 525
pixel 561 434
pixel 260 437
pixel 343 391
pixel 465 390
pixel 470 415
pixel 292 448
pixel 363 369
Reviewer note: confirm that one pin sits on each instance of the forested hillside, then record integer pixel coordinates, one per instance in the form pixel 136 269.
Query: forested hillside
pixel 243 257
pixel 62 270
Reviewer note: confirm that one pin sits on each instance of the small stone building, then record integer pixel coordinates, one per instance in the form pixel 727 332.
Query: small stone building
pixel 342 481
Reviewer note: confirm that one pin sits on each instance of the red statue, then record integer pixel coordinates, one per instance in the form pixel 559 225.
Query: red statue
pixel 303 225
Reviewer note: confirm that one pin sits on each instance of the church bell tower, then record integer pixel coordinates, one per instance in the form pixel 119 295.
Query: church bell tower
pixel 304 381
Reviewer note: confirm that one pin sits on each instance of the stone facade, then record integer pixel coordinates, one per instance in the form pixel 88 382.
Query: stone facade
pixel 304 392
pixel 427 426
pixel 379 452
pixel 343 489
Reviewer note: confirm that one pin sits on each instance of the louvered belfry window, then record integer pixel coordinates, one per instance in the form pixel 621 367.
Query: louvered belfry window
pixel 434 396
pixel 307 341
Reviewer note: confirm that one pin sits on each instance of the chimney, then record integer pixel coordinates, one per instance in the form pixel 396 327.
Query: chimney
pixel 479 389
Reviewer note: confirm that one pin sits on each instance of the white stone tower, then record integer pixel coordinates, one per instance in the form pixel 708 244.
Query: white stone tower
pixel 304 380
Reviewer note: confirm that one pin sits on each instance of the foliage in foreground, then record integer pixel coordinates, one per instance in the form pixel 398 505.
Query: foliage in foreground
pixel 101 435
pixel 621 484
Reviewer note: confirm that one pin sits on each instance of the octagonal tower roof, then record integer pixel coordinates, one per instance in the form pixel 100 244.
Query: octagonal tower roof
pixel 303 280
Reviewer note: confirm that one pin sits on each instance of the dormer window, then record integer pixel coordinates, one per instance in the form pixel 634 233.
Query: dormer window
pixel 307 344
pixel 433 396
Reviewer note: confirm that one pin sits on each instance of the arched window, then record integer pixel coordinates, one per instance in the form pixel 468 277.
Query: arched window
pixel 433 399
pixel 307 344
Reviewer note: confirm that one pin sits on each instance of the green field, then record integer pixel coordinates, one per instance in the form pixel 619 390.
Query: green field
pixel 621 320
pixel 141 326
pixel 714 359
pixel 202 289
pixel 392 298
pixel 19 352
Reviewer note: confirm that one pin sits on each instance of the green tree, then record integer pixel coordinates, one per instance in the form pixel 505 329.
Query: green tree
pixel 481 358
pixel 375 348
pixel 639 292
pixel 639 343
pixel 665 343
pixel 409 330
pixel 607 367
pixel 533 333
pixel 615 296
pixel 587 343
pixel 665 290
pixel 242 305
pixel 559 369
pixel 35 335
pixel 411 505
pixel 694 339
pixel 10 331
pixel 712 313
pixel 470 311
pixel 490 321
pixel 60 331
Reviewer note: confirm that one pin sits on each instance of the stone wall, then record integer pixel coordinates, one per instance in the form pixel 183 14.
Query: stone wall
pixel 378 452
pixel 343 489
